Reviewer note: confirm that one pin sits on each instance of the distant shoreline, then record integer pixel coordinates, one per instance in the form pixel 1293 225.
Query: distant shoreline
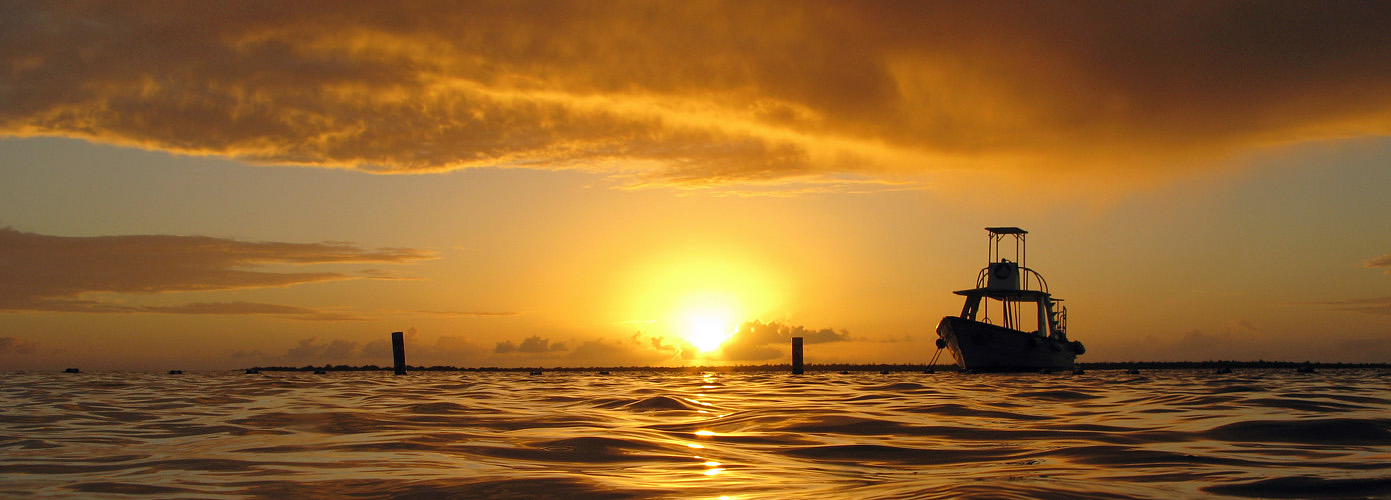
pixel 838 367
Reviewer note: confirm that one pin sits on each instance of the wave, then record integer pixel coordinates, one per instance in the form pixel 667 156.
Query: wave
pixel 751 436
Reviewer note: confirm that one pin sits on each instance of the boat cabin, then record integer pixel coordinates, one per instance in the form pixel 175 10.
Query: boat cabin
pixel 1031 311
pixel 1016 295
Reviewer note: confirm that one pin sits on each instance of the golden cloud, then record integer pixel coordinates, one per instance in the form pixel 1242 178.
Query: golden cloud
pixel 1383 261
pixel 700 93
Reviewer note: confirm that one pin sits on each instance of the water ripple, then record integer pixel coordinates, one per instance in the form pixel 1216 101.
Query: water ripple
pixel 747 436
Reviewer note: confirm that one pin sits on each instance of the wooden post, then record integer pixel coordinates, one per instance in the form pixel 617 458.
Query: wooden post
pixel 398 352
pixel 796 355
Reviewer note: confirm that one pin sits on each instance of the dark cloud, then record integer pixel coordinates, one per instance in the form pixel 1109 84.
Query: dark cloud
pixel 383 349
pixel 535 344
pixel 55 273
pixel 12 345
pixel 312 351
pixel 758 341
pixel 445 350
pixel 699 93
pixel 530 345
pixel 681 349
pixel 450 350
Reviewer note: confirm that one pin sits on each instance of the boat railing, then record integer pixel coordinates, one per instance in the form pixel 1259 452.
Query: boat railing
pixel 1024 272
pixel 1042 283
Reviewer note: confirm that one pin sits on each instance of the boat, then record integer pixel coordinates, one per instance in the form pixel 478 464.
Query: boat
pixel 1010 321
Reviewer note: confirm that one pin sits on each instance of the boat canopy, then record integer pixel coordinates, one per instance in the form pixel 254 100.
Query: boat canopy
pixel 1006 230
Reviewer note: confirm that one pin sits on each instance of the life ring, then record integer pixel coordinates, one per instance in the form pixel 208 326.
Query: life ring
pixel 1002 271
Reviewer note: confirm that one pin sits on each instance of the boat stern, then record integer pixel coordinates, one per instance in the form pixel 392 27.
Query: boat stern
pixel 985 347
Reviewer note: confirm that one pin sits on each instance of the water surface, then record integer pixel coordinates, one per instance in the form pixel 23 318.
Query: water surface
pixel 1105 434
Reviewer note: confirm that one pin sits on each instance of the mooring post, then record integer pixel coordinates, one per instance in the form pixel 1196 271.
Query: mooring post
pixel 796 355
pixel 398 351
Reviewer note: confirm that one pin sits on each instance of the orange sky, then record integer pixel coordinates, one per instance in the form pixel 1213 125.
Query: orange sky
pixel 220 184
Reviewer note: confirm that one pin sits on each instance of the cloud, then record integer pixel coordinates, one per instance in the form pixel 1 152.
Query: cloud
pixel 1383 261
pixel 535 344
pixel 1235 339
pixel 681 349
pixel 702 93
pixel 243 354
pixel 233 308
pixel 56 273
pixel 757 341
pixel 659 343
pixel 310 350
pixel 604 352
pixel 12 345
pixel 1377 305
pixel 463 314
pixel 531 345
pixel 1194 345
pixel 451 350
pixel 460 351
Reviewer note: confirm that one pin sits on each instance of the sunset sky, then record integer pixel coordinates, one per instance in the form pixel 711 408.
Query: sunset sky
pixel 209 185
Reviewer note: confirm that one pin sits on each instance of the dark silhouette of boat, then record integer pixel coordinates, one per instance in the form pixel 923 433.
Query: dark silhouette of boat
pixel 1031 334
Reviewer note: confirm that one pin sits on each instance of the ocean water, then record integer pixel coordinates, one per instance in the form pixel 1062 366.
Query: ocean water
pixel 863 435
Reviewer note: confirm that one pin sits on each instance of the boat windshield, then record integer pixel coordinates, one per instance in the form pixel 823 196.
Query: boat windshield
pixel 1022 310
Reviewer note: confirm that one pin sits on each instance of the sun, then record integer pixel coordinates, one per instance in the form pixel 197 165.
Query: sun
pixel 706 319
pixel 696 295
pixel 708 328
